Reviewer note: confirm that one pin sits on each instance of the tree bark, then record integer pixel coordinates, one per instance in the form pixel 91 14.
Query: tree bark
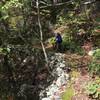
pixel 41 36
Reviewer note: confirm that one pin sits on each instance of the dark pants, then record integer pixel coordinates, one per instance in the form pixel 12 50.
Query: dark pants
pixel 58 47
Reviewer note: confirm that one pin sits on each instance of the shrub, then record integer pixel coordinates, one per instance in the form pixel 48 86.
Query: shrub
pixel 94 66
pixel 72 47
pixel 52 40
pixel 96 54
pixel 93 90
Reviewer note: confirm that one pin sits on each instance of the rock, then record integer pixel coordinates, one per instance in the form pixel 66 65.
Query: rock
pixel 54 91
pixel 61 80
pixel 59 71
pixel 67 76
pixel 62 65
pixel 64 78
pixel 58 82
pixel 57 97
pixel 52 58
pixel 46 99
pixel 90 53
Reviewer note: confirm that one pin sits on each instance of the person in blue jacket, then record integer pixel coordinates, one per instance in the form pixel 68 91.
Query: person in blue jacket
pixel 58 42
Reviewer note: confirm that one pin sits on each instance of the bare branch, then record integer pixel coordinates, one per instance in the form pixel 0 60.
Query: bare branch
pixel 41 36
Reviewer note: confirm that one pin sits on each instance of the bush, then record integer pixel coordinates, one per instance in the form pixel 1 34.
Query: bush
pixel 19 65
pixel 72 47
pixel 93 90
pixel 94 66
pixel 96 54
pixel 52 40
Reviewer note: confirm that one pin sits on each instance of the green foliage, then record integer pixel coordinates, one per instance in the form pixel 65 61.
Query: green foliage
pixel 96 30
pixel 52 40
pixel 96 54
pixel 97 27
pixel 97 19
pixel 9 6
pixel 71 45
pixel 16 66
pixel 94 66
pixel 19 64
pixel 4 50
pixel 97 79
pixel 76 20
pixel 11 3
pixel 93 89
pixel 65 42
pixel 68 94
pixel 74 74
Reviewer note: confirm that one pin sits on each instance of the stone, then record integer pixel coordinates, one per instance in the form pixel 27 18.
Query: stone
pixel 62 65
pixel 59 71
pixel 46 99
pixel 53 92
pixel 90 53
pixel 57 97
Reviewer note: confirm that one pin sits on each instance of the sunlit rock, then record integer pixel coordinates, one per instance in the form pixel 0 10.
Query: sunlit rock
pixel 90 53
pixel 46 99
pixel 59 71
pixel 53 91
pixel 62 65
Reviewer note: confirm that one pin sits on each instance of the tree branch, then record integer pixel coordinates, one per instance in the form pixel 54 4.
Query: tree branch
pixel 41 36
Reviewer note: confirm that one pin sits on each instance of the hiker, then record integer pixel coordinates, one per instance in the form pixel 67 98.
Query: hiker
pixel 58 42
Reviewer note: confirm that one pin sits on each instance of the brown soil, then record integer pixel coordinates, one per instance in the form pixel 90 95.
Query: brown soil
pixel 80 82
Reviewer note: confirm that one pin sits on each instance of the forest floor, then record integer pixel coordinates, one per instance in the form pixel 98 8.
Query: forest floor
pixel 79 86
pixel 80 80
pixel 79 64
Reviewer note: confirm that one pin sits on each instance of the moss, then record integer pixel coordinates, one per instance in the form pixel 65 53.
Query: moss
pixel 68 94
pixel 97 79
pixel 74 74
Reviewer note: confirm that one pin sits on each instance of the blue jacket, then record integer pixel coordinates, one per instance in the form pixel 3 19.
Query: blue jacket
pixel 58 38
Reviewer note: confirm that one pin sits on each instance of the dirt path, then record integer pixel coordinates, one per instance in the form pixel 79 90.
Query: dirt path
pixel 80 82
pixel 79 87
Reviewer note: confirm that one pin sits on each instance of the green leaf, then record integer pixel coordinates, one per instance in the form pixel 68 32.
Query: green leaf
pixel 1 49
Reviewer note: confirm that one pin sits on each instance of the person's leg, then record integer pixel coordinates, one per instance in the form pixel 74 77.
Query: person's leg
pixel 59 47
pixel 56 46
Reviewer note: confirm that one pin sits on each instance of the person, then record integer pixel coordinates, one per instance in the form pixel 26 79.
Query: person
pixel 58 42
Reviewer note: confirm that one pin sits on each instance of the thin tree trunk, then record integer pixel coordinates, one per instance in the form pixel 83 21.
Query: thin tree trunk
pixel 41 36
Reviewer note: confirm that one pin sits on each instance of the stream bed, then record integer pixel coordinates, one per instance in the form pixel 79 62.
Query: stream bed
pixel 60 71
